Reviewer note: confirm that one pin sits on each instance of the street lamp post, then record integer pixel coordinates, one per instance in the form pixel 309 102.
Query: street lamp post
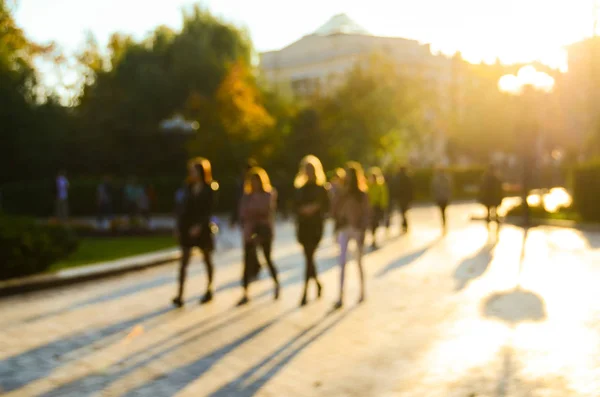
pixel 528 85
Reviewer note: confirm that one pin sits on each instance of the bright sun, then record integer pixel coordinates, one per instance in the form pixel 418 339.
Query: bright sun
pixel 518 31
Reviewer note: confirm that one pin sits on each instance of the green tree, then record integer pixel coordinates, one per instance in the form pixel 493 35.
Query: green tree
pixel 378 110
pixel 29 122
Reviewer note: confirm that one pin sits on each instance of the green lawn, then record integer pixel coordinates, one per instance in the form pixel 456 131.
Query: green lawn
pixel 540 213
pixel 92 250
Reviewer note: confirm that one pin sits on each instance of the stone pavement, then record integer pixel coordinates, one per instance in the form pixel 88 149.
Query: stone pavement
pixel 465 314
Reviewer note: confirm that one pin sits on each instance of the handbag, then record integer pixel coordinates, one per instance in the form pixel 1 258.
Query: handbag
pixel 262 232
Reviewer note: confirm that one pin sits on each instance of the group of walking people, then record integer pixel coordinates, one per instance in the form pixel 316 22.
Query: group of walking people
pixel 347 200
pixel 356 202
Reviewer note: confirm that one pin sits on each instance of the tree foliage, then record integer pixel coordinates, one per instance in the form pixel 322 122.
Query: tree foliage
pixel 374 113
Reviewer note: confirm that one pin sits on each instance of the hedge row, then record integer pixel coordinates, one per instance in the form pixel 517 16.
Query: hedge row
pixel 585 182
pixel 37 198
pixel 465 182
pixel 28 247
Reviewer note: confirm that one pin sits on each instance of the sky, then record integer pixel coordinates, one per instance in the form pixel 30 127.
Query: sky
pixel 512 30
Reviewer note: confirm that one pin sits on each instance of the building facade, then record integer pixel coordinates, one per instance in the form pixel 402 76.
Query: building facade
pixel 318 62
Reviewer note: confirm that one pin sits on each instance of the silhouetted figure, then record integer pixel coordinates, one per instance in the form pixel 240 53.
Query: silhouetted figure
pixel 143 204
pixel 180 195
pixel 336 188
pixel 379 198
pixel 257 217
pixel 312 205
pixel 491 194
pixel 62 196
pixel 441 189
pixel 351 209
pixel 133 197
pixel 403 187
pixel 194 226
pixel 239 193
pixel 104 198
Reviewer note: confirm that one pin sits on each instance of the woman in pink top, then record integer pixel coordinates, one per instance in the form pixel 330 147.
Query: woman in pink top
pixel 257 212
pixel 352 211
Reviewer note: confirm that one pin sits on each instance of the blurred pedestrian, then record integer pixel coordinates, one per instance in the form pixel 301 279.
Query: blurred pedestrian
pixel 194 224
pixel 239 192
pixel 379 198
pixel 62 196
pixel 441 189
pixel 491 194
pixel 104 199
pixel 336 188
pixel 312 205
pixel 180 195
pixel 257 217
pixel 143 204
pixel 403 187
pixel 151 195
pixel 351 209
pixel 131 194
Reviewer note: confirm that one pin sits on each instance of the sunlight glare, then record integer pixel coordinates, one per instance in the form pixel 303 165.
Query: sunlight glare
pixel 556 199
pixel 534 200
pixel 526 76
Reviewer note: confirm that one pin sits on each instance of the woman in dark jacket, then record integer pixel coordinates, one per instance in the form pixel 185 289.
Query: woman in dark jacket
pixel 193 224
pixel 312 205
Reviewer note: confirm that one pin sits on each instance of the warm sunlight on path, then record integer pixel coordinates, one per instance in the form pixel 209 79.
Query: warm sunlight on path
pixel 463 315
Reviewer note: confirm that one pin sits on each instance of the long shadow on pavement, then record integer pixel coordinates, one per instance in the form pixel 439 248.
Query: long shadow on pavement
pixel 406 259
pixel 27 367
pixel 175 381
pixel 96 382
pixel 474 266
pixel 277 360
pixel 146 285
pixel 22 369
pixel 19 370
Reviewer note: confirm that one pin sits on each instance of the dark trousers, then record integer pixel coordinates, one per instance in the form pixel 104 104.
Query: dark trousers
pixel 251 263
pixel 186 253
pixel 492 214
pixel 442 205
pixel 403 213
pixel 310 268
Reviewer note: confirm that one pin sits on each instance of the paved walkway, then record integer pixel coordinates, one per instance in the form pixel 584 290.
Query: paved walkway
pixel 461 315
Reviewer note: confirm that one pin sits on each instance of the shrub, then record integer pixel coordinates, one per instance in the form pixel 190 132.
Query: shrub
pixel 465 182
pixel 36 198
pixel 586 191
pixel 27 247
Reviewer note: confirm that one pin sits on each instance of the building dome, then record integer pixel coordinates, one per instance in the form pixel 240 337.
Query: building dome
pixel 340 24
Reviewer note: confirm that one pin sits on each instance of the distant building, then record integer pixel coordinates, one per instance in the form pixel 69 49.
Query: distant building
pixel 318 62
pixel 579 88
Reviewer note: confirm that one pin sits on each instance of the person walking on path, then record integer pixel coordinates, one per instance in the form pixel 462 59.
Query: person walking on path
pixel 351 209
pixel 132 193
pixel 235 213
pixel 403 187
pixel 336 188
pixel 257 217
pixel 62 196
pixel 193 224
pixel 104 198
pixel 312 205
pixel 441 189
pixel 143 205
pixel 379 198
pixel 491 194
